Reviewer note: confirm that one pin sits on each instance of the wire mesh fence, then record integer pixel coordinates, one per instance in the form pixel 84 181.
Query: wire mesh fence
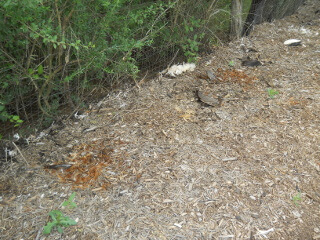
pixel 58 55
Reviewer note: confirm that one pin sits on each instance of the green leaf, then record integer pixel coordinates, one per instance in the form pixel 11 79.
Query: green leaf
pixel 72 196
pixel 68 222
pixel 58 220
pixel 47 229
pixel 60 230
pixel 55 214
pixel 272 92
pixel 7 3
pixel 70 202
pixel 30 71
pixel 231 63
pixel 296 199
pixel 40 69
pixel 3 116
pixel 5 85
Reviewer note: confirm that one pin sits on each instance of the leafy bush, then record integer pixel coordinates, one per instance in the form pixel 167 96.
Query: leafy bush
pixel 52 47
pixel 54 51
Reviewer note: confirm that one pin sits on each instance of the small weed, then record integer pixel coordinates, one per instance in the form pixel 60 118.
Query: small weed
pixel 231 63
pixel 272 92
pixel 70 203
pixel 59 220
pixel 296 199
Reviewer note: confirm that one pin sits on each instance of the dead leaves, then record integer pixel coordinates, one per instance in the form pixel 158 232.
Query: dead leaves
pixel 234 75
pixel 94 165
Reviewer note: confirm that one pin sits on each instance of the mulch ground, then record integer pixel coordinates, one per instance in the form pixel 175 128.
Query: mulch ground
pixel 155 162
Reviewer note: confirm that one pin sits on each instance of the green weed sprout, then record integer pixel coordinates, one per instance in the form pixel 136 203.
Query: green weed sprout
pixel 272 92
pixel 59 220
pixel 296 198
pixel 70 203
pixel 231 63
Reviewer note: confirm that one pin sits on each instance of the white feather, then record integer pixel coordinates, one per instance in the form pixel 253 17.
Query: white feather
pixel 175 70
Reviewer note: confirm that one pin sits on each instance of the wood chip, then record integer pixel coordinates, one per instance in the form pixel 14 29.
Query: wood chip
pixel 209 99
pixel 230 159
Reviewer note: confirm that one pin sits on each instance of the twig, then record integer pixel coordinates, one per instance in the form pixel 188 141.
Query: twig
pixel 38 234
pixel 230 159
pixel 174 57
pixel 142 80
pixel 20 153
pixel 170 63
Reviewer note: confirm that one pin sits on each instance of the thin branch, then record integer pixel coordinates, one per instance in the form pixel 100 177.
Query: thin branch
pixel 20 153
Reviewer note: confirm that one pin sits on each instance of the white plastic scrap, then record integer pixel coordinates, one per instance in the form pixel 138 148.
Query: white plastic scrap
pixel 179 69
pixel 292 42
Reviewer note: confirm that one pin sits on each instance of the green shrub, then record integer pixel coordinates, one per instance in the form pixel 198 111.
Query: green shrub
pixel 51 49
pixel 54 51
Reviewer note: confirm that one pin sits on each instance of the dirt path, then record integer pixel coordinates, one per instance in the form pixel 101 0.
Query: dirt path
pixel 156 163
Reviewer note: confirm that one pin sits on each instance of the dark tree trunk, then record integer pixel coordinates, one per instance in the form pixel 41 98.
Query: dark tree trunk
pixel 253 16
pixel 268 10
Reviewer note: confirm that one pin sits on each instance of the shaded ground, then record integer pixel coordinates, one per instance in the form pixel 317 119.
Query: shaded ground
pixel 156 163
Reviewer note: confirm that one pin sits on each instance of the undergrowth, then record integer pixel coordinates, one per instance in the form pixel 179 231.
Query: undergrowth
pixel 55 52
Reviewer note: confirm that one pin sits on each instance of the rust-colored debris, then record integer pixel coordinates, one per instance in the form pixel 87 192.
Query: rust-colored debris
pixel 234 75
pixel 92 165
